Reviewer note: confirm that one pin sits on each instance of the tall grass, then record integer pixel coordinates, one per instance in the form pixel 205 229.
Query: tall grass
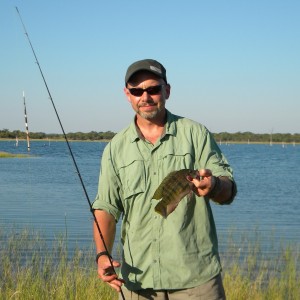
pixel 258 268
pixel 31 268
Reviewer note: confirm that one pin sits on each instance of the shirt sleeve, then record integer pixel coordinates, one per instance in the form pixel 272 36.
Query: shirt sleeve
pixel 108 195
pixel 212 158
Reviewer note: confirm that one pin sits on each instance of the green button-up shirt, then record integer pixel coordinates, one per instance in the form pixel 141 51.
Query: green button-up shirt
pixel 180 251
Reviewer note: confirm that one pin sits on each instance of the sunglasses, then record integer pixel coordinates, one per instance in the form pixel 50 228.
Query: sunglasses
pixel 151 90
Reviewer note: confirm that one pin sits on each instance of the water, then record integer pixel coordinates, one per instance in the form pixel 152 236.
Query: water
pixel 267 204
pixel 43 192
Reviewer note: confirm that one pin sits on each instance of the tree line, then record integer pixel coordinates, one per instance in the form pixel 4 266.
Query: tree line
pixel 250 137
pixel 224 137
pixel 89 136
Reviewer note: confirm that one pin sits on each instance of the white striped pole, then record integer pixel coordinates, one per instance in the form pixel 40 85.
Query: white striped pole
pixel 26 124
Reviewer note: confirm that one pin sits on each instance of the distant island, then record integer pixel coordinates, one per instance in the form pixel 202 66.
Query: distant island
pixel 222 137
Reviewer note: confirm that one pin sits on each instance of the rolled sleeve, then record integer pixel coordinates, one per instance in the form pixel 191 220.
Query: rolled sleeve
pixel 215 160
pixel 108 196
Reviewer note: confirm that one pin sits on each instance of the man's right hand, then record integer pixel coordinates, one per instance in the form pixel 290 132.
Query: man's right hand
pixel 107 274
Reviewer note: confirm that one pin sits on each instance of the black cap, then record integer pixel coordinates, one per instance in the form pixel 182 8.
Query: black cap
pixel 149 65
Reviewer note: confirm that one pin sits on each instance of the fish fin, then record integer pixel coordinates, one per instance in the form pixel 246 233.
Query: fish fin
pixel 190 195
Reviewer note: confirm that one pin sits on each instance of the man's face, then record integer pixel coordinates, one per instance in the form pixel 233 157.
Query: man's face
pixel 147 94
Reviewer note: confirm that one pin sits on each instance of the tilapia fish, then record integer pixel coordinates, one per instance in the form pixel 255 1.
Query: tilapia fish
pixel 172 189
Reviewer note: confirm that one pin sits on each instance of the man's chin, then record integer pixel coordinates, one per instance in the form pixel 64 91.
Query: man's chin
pixel 149 115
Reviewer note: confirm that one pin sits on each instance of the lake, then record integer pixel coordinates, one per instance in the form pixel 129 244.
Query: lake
pixel 43 192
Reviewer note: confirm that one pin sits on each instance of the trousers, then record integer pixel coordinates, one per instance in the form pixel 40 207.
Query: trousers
pixel 211 290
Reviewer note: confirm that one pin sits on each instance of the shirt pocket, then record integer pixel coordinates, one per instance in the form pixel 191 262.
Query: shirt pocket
pixel 177 158
pixel 132 176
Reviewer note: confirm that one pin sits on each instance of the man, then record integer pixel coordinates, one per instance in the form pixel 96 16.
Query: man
pixel 163 258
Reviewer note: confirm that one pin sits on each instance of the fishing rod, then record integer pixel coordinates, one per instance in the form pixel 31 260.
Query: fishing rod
pixel 69 147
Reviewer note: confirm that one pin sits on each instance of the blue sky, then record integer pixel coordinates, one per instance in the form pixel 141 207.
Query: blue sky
pixel 233 65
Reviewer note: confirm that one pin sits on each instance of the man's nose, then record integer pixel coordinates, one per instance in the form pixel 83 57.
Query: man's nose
pixel 145 96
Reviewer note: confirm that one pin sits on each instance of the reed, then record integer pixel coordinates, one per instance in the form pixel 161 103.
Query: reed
pixel 32 268
pixel 11 155
pixel 257 268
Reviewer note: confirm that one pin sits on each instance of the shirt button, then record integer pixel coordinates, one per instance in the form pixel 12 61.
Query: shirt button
pixel 154 260
pixel 154 173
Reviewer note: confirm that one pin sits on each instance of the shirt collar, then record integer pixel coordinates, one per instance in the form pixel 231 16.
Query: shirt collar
pixel 170 128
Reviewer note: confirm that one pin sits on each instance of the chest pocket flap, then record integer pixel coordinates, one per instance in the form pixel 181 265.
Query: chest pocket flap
pixel 132 176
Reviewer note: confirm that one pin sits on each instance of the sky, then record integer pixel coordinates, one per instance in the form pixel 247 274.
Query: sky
pixel 233 65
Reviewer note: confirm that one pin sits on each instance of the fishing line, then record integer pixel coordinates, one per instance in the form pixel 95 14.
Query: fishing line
pixel 68 144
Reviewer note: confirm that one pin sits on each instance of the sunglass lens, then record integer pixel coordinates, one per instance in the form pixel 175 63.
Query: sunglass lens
pixel 154 90
pixel 136 92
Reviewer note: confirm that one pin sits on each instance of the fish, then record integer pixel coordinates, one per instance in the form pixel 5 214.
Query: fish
pixel 172 189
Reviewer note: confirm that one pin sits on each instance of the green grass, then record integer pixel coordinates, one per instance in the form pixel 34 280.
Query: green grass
pixel 272 280
pixel 251 272
pixel 11 155
pixel 32 269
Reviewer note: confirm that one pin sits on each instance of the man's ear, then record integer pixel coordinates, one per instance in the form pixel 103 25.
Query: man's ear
pixel 127 94
pixel 168 91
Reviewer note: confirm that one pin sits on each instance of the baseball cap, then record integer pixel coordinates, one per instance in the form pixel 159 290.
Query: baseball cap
pixel 149 65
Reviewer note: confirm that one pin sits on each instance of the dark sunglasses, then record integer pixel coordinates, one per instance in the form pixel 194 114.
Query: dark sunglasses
pixel 151 90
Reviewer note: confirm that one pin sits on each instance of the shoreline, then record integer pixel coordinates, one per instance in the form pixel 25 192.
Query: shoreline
pixel 4 154
pixel 52 140
pixel 108 140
